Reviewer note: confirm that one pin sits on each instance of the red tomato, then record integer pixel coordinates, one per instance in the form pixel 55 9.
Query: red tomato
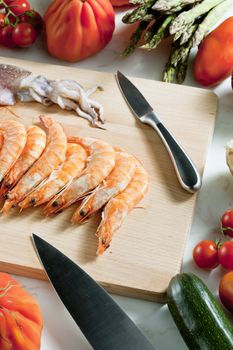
pixel 225 255
pixel 2 19
pixel 20 317
pixel 205 254
pixel 19 6
pixel 227 223
pixel 34 18
pixel 226 290
pixel 24 34
pixel 214 60
pixel 6 38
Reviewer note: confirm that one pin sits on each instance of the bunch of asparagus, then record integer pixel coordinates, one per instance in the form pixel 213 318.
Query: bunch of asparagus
pixel 186 21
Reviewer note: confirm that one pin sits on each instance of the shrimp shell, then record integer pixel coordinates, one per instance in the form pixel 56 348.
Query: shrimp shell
pixel 60 178
pixel 118 207
pixel 114 183
pixel 15 136
pixel 51 158
pixel 101 162
pixel 35 144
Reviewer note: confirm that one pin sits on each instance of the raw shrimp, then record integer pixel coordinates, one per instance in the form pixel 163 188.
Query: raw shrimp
pixel 114 183
pixel 52 157
pixel 118 207
pixel 35 144
pixel 15 136
pixel 101 162
pixel 60 178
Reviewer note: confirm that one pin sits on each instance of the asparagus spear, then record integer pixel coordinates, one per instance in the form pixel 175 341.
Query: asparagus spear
pixel 187 34
pixel 135 38
pixel 209 21
pixel 139 13
pixel 159 34
pixel 182 67
pixel 169 74
pixel 172 5
pixel 190 16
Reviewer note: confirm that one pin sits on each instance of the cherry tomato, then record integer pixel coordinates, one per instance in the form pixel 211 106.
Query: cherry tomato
pixel 226 290
pixel 34 18
pixel 24 34
pixel 19 6
pixel 225 255
pixel 205 254
pixel 2 19
pixel 6 38
pixel 227 223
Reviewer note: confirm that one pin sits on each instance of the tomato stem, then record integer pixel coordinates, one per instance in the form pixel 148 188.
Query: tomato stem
pixel 9 13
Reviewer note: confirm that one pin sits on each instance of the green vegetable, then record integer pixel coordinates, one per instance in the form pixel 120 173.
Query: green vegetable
pixel 186 21
pixel 209 21
pixel 172 5
pixel 189 17
pixel 197 314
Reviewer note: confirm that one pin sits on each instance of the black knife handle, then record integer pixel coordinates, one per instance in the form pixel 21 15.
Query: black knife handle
pixel 186 171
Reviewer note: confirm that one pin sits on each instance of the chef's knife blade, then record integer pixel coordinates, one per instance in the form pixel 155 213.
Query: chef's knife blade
pixel 102 321
pixel 186 171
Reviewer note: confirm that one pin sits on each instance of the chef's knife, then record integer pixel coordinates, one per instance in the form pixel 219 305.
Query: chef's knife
pixel 102 321
pixel 186 171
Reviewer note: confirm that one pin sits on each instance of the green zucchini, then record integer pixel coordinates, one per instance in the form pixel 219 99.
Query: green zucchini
pixel 197 314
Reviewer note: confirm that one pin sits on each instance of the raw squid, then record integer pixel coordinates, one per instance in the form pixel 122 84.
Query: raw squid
pixel 17 83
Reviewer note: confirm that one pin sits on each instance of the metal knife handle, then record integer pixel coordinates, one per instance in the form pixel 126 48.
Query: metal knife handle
pixel 186 171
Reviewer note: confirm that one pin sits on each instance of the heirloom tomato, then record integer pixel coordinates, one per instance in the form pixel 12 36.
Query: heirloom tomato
pixel 76 29
pixel 117 3
pixel 20 317
pixel 214 60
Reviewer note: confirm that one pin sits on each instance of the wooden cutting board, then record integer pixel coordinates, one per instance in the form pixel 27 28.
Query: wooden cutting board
pixel 148 249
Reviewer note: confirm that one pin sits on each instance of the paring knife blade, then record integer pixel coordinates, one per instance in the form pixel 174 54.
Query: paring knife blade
pixel 186 171
pixel 105 325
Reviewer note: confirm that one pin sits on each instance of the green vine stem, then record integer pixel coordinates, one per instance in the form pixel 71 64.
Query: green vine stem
pixel 7 8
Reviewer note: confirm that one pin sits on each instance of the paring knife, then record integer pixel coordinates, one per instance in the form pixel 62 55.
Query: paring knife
pixel 101 320
pixel 186 171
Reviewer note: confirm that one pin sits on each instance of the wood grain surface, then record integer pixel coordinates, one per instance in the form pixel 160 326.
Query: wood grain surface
pixel 148 249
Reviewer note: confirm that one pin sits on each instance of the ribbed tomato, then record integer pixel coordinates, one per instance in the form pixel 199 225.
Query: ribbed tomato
pixel 20 317
pixel 117 3
pixel 76 29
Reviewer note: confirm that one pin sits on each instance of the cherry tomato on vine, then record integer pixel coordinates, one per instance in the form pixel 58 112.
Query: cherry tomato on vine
pixel 225 255
pixel 226 290
pixel 19 6
pixel 205 254
pixel 227 223
pixel 24 35
pixel 6 38
pixel 2 20
pixel 34 18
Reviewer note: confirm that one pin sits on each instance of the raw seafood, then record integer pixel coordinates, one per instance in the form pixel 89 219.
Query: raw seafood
pixel 17 83
pixel 51 158
pixel 118 207
pixel 14 139
pixel 102 161
pixel 60 178
pixel 35 144
pixel 114 183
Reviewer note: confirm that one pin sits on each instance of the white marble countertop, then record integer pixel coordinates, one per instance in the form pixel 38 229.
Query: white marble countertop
pixel 216 195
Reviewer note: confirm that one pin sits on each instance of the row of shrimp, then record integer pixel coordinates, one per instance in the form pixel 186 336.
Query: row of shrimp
pixel 38 167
